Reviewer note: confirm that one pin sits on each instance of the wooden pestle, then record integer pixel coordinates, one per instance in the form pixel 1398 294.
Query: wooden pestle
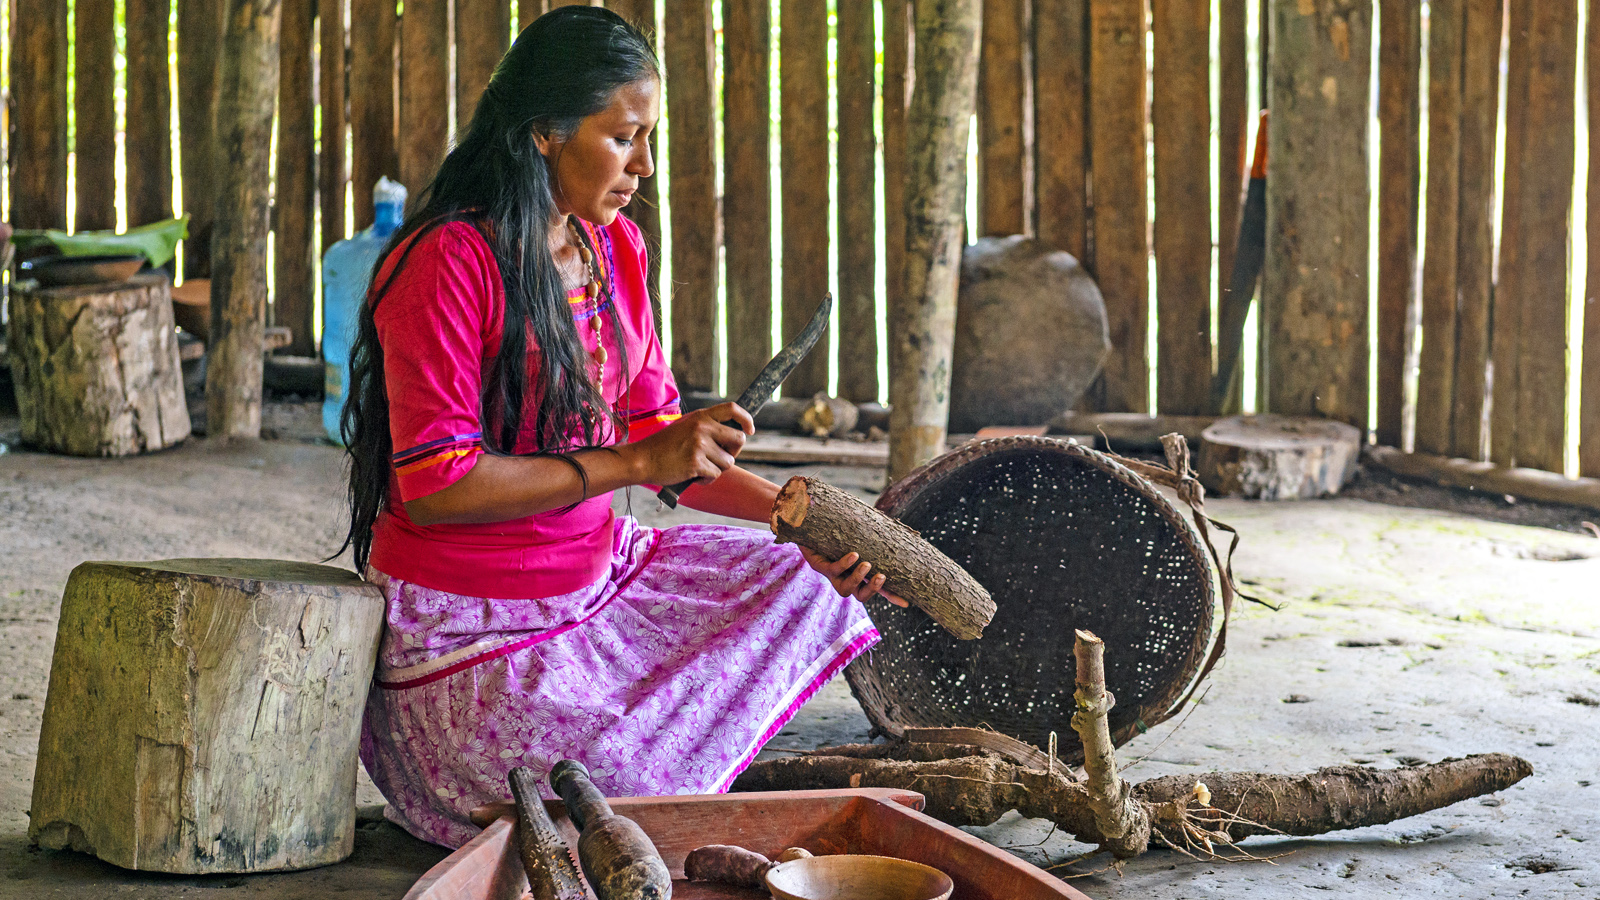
pixel 618 858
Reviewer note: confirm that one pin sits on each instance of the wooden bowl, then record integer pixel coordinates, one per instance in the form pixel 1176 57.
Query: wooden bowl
pixel 857 877
pixel 59 271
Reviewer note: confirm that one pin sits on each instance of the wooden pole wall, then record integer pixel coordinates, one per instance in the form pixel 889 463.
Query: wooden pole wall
pixel 1003 110
pixel 1060 56
pixel 858 200
pixel 695 223
pixel 295 201
pixel 39 116
pixel 1181 116
pixel 199 50
pixel 331 169
pixel 148 113
pixel 898 77
pixel 483 32
pixel 95 114
pixel 373 33
pixel 1589 414
pixel 803 76
pixel 1506 315
pixel 1399 104
pixel 1120 256
pixel 1315 282
pixel 1233 138
pixel 645 209
pixel 747 185
pixel 424 106
pixel 1437 356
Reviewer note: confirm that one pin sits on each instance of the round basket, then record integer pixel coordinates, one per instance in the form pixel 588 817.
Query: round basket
pixel 1063 537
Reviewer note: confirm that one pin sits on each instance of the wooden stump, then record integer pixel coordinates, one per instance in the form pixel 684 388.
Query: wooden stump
pixel 1278 457
pixel 96 367
pixel 204 714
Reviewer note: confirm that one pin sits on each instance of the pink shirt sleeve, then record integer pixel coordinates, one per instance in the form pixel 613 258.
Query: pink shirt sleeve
pixel 433 323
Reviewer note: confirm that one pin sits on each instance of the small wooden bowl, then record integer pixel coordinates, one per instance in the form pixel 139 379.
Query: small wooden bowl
pixel 60 271
pixel 857 877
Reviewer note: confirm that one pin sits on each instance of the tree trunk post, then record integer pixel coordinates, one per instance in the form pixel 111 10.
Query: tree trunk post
pixel 249 83
pixel 199 43
pixel 922 323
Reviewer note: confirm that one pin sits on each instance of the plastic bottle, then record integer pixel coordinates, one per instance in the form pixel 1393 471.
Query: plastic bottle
pixel 346 272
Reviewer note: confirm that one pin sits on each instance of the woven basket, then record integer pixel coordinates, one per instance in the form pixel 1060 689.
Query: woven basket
pixel 1063 537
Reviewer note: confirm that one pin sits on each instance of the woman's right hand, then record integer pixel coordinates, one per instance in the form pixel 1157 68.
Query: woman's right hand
pixel 697 447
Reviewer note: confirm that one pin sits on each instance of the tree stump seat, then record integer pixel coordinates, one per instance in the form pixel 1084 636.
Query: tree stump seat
pixel 204 714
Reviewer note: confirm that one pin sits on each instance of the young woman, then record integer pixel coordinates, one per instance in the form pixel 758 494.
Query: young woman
pixel 506 380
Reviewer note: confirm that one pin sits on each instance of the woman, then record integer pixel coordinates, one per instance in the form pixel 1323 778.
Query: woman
pixel 506 380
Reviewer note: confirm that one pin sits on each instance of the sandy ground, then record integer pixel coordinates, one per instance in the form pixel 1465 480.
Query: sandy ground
pixel 1405 634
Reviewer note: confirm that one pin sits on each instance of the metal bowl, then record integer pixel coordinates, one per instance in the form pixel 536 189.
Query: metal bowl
pixel 60 271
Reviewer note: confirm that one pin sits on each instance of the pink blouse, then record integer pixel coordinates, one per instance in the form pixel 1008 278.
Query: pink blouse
pixel 440 324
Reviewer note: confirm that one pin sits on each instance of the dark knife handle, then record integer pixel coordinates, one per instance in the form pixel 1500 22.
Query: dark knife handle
pixel 669 494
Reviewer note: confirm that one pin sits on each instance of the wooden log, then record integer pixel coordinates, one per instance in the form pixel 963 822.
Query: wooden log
pixel 204 714
pixel 747 184
pixel 1480 90
pixel 249 80
pixel 1491 479
pixel 803 154
pixel 1314 285
pixel 1120 261
pixel 1278 457
pixel 922 324
pixel 897 82
pixel 1399 167
pixel 94 146
pixel 1181 116
pixel 332 172
pixel 1437 356
pixel 827 416
pixel 1004 174
pixel 696 226
pixel 1233 136
pixel 645 208
pixel 858 202
pixel 1589 414
pixel 38 89
pixel 96 367
pixel 424 107
pixel 199 48
pixel 1059 58
pixel 372 102
pixel 1127 431
pixel 832 523
pixel 148 140
pixel 483 32
pixel 1506 313
pixel 295 180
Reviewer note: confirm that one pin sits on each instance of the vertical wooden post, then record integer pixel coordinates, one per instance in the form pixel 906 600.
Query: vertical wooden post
pixel 897 83
pixel 424 92
pixel 1003 173
pixel 1589 415
pixel 803 76
pixel 1399 167
pixel 199 49
pixel 1059 56
pixel 1315 282
pixel 148 113
pixel 922 326
pixel 248 86
pixel 858 202
pixel 1120 260
pixel 1480 110
pixel 1181 115
pixel 747 184
pixel 95 145
pixel 295 200
pixel 372 101
pixel 331 171
pixel 528 10
pixel 39 92
pixel 645 209
pixel 1506 314
pixel 696 226
pixel 483 31
pixel 1233 138
pixel 1437 356
pixel 1545 202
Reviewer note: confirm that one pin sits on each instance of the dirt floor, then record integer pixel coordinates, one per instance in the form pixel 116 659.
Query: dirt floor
pixel 1405 634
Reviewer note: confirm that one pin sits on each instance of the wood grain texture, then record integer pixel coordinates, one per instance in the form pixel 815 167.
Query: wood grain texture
pixel 1506 314
pixel 1399 175
pixel 483 32
pixel 373 153
pixel 204 714
pixel 245 101
pixel 696 225
pixel 803 155
pixel 528 10
pixel 1233 138
pixel 199 48
pixel 747 185
pixel 295 180
pixel 148 113
pixel 423 115
pixel 38 89
pixel 1437 356
pixel 1278 457
pixel 645 208
pixel 1589 414
pixel 1060 59
pixel 897 82
pixel 922 324
pixel 1181 114
pixel 94 146
pixel 1120 257
pixel 1480 87
pixel 1315 281
pixel 332 171
pixel 1004 172
pixel 858 203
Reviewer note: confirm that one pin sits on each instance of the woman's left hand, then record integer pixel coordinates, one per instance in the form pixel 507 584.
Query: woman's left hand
pixel 850 579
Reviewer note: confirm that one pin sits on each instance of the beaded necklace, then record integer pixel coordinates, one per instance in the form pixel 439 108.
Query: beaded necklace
pixel 591 292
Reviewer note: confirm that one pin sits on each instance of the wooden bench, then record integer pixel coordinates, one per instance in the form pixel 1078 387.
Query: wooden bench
pixel 204 714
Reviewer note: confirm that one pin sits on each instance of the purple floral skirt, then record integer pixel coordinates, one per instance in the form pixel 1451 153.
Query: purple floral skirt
pixel 665 677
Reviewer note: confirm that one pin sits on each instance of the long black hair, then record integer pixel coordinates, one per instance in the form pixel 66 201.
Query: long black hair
pixel 565 66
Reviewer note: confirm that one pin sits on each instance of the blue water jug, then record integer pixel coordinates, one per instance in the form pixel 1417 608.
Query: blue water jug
pixel 346 272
